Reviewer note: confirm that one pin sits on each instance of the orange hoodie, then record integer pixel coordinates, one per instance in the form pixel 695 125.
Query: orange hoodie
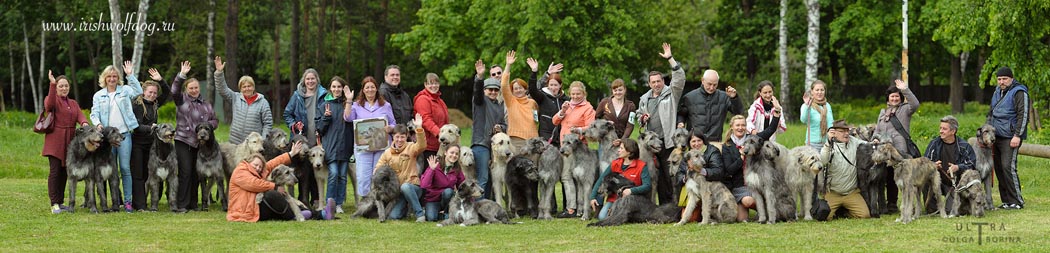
pixel 520 111
pixel 579 116
pixel 245 183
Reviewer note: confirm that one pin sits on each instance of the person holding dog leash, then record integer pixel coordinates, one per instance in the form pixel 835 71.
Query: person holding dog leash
pixel 628 166
pixel 249 180
pixel 191 110
pixel 145 107
pixel 67 118
pixel 895 123
pixel 111 107
pixel 838 154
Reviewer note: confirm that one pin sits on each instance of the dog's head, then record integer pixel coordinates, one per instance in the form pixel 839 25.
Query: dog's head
pixel 613 183
pixel 204 133
pixel 501 146
pixel 316 157
pixel 681 137
pixel 526 165
pixel 469 189
pixel 675 159
pixel 695 160
pixel 752 145
pixel 598 129
pixel 112 136
pixel 569 142
pixel 449 134
pixel 164 132
pixel 885 153
pixel 533 146
pixel 650 141
pixel 770 150
pixel 299 138
pixel 90 137
pixel 277 138
pixel 282 176
pixel 986 135
pixel 385 174
pixel 466 157
pixel 808 159
pixel 863 132
pixel 254 142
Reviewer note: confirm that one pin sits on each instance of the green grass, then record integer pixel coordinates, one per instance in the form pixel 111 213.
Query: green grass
pixel 27 224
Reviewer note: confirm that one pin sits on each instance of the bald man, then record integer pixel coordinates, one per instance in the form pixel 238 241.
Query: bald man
pixel 705 108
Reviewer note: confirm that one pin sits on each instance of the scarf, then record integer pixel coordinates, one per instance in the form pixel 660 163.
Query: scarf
pixel 251 99
pixel 891 110
pixel 576 104
pixel 823 116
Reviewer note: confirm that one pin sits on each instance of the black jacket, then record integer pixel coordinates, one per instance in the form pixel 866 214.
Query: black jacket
pixel 966 158
pixel 548 106
pixel 707 111
pixel 146 114
pixel 487 113
pixel 732 173
pixel 400 101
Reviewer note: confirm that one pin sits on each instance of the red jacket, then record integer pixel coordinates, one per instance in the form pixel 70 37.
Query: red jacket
pixel 633 173
pixel 435 115
pixel 67 117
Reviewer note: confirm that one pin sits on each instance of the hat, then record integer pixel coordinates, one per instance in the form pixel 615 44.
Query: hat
pixel 491 83
pixel 841 124
pixel 1005 71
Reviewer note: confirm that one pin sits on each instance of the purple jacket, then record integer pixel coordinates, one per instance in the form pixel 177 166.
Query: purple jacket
pixel 190 112
pixel 435 180
pixel 365 112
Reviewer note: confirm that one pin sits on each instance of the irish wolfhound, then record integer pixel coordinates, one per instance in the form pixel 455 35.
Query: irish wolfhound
pixel 871 177
pixel 911 175
pixel 80 166
pixel 233 154
pixel 307 191
pixel 315 156
pixel 465 209
pixel 276 143
pixel 547 171
pixel 985 161
pixel 649 143
pixel 284 176
pixel 522 193
pixel 717 204
pixel 502 150
pixel 766 182
pixel 163 166
pixel 968 197
pixel 448 135
pixel 578 173
pixel 385 192
pixel 467 163
pixel 800 176
pixel 603 132
pixel 863 132
pixel 632 208
pixel 107 169
pixel 210 166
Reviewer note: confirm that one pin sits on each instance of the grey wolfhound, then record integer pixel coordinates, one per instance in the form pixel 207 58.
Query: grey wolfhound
pixel 985 140
pixel 632 208
pixel 81 167
pixel 603 132
pixel 578 173
pixel 717 204
pixel 968 196
pixel 911 175
pixel 107 170
pixel 547 171
pixel 466 209
pixel 284 176
pixel 649 144
pixel 766 182
pixel 163 167
pixel 385 192
pixel 210 166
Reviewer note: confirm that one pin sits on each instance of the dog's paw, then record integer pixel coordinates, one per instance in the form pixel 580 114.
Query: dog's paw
pixel 679 224
pixel 463 225
pixel 440 225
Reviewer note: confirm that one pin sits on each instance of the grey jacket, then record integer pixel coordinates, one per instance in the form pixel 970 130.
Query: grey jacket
pixel 246 118
pixel 840 159
pixel 487 114
pixel 904 112
pixel 667 105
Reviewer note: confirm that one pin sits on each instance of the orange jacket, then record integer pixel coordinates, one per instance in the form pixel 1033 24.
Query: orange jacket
pixel 579 116
pixel 245 183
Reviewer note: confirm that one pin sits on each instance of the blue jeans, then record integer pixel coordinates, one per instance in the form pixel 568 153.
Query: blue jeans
pixel 123 154
pixel 366 162
pixel 434 207
pixel 337 181
pixel 482 155
pixel 605 211
pixel 410 194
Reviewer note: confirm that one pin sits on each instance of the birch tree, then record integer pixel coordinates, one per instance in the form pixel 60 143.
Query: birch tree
pixel 784 85
pixel 114 19
pixel 812 41
pixel 140 34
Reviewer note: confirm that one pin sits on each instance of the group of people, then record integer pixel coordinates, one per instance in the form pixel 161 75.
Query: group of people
pixel 522 109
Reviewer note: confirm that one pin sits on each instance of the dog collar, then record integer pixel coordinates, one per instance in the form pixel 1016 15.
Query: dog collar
pixel 971 183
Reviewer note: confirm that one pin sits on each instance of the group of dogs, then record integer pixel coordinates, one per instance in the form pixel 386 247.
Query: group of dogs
pixel 90 159
pixel 523 178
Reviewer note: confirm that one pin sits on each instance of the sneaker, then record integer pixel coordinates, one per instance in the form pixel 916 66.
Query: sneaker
pixel 55 209
pixel 566 214
pixel 329 209
pixel 338 209
pixel 1011 206
pixel 128 208
pixel 421 219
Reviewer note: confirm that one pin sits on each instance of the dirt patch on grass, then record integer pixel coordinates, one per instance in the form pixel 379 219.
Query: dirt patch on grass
pixel 460 119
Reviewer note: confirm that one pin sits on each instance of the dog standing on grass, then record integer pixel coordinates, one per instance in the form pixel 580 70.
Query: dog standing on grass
pixel 717 204
pixel 107 170
pixel 578 173
pixel 649 144
pixel 547 172
pixel 81 167
pixel 235 153
pixel 766 182
pixel 210 166
pixel 501 152
pixel 911 176
pixel 163 167
pixel 603 132
pixel 985 161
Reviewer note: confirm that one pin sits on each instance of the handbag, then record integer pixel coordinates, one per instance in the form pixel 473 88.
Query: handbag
pixel 45 123
pixel 820 209
pixel 913 149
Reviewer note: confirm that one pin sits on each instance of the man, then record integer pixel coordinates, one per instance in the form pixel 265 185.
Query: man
pixel 1009 115
pixel 706 108
pixel 489 113
pixel 658 108
pixel 839 154
pixel 952 157
pixel 398 98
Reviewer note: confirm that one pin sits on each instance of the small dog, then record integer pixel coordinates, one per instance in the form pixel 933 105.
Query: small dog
pixel 969 195
pixel 985 161
pixel 800 176
pixel 650 143
pixel 465 209
pixel 210 166
pixel 911 176
pixel 632 208
pixel 448 135
pixel 276 143
pixel 766 182
pixel 603 132
pixel 284 176
pixel 523 197
pixel 385 192
pixel 107 169
pixel 547 172
pixel 163 166
pixel 578 173
pixel 467 163
pixel 502 150
pixel 717 204
pixel 81 167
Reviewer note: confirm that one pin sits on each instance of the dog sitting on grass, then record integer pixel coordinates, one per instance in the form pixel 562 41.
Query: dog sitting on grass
pixel 466 209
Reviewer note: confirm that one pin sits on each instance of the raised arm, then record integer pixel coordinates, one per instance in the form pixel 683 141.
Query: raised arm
pixel 220 81
pixel 478 97
pixel 677 73
pixel 133 82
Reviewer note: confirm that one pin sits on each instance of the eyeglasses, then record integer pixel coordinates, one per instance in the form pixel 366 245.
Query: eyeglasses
pixel 495 74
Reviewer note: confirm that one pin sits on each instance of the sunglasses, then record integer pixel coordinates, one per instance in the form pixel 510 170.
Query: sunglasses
pixel 495 74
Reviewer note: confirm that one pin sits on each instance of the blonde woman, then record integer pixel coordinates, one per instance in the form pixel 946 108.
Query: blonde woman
pixel 816 114
pixel 111 107
pixel 251 110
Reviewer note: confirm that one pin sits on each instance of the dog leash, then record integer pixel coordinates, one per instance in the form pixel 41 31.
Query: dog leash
pixel 971 183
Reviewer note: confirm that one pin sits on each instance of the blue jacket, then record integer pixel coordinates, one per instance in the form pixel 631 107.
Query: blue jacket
pixel 337 135
pixel 966 158
pixel 1008 115
pixel 124 93
pixel 295 111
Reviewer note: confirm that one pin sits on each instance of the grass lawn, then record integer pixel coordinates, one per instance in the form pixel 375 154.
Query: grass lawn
pixel 27 224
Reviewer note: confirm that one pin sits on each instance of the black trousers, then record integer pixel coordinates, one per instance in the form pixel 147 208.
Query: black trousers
pixel 140 149
pixel 56 180
pixel 274 207
pixel 664 188
pixel 188 183
pixel 1005 164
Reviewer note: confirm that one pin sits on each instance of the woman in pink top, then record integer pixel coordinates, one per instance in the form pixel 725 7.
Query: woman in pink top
pixel 577 113
pixel 440 181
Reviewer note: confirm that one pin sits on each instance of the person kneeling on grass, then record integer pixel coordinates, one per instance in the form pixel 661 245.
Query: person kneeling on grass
pixel 249 179
pixel 629 166
pixel 440 181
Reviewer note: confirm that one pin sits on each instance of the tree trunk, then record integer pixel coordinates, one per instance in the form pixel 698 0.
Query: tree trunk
pixel 118 55
pixel 812 41
pixel 978 91
pixel 232 51
pixel 276 107
pixel 211 56
pixel 319 57
pixel 381 33
pixel 29 69
pixel 10 69
pixel 784 85
pixel 20 96
pixel 294 61
pixel 904 43
pixel 140 34
pixel 956 93
pixel 73 67
pixel 38 100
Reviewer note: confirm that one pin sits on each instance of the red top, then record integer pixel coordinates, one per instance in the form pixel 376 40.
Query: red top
pixel 67 117
pixel 435 115
pixel 633 173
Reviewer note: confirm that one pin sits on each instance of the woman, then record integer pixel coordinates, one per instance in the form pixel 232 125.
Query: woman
pixel 760 114
pixel 67 117
pixel 191 110
pixel 369 105
pixel 733 162
pixel 336 136
pixel 429 104
pixel 249 180
pixel 816 114
pixel 628 166
pixel 549 97
pixel 111 107
pixel 440 183
pixel 145 107
pixel 300 114
pixel 577 113
pixel 902 104
pixel 489 113
pixel 617 109
pixel 714 168
pixel 401 157
pixel 251 110
pixel 521 109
